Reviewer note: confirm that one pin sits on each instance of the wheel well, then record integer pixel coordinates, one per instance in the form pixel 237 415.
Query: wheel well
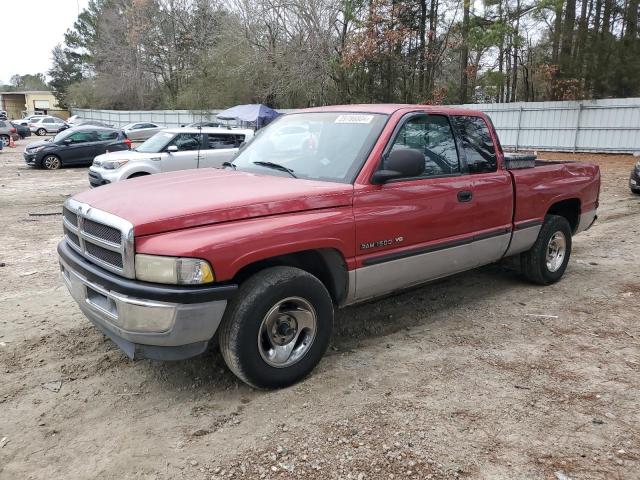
pixel 138 174
pixel 328 265
pixel 569 209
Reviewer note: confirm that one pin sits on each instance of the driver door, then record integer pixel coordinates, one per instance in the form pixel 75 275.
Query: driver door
pixel 80 147
pixel 411 230
pixel 187 155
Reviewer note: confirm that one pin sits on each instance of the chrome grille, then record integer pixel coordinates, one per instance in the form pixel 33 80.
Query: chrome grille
pixel 71 217
pixel 72 236
pixel 100 237
pixel 104 232
pixel 104 255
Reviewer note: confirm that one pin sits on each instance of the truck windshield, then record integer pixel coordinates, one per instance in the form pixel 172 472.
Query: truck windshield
pixel 329 146
pixel 156 143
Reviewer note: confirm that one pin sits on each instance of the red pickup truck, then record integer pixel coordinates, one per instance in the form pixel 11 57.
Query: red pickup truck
pixel 323 208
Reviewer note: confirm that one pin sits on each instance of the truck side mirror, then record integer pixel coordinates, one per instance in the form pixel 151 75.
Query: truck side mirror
pixel 172 149
pixel 401 163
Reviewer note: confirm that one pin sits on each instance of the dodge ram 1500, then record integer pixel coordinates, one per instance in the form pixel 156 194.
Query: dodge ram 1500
pixel 358 202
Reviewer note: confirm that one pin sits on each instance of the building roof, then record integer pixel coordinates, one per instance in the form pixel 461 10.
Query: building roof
pixel 25 92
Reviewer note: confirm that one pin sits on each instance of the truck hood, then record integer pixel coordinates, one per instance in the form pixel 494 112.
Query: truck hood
pixel 192 198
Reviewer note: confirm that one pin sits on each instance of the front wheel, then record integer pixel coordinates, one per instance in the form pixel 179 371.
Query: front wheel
pixel 51 162
pixel 41 131
pixel 277 328
pixel 5 140
pixel 547 260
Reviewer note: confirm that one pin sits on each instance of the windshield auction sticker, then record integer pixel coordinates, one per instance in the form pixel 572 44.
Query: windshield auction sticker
pixel 354 119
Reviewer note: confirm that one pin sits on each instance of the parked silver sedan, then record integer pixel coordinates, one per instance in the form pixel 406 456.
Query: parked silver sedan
pixel 141 130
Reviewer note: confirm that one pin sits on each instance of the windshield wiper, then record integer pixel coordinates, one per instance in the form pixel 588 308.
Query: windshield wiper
pixel 276 166
pixel 229 164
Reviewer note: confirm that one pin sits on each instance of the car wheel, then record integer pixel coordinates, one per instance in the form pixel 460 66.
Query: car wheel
pixel 635 191
pixel 277 327
pixel 41 131
pixel 51 162
pixel 5 140
pixel 547 260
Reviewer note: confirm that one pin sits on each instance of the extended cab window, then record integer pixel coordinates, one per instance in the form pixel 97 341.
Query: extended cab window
pixel 432 136
pixel 477 144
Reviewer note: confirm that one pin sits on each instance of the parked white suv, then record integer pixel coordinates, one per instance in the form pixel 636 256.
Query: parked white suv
pixel 43 125
pixel 169 150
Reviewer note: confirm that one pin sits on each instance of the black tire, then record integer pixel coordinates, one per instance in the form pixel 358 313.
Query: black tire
pixel 51 162
pixel 5 140
pixel 635 191
pixel 40 132
pixel 241 326
pixel 533 263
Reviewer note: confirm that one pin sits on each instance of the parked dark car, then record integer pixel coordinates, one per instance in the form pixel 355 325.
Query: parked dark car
pixel 634 179
pixel 75 146
pixel 22 130
pixel 84 123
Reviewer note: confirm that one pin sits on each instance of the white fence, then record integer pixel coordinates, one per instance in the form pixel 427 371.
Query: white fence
pixel 611 125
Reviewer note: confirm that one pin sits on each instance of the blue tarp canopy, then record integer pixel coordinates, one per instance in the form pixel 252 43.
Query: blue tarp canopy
pixel 253 113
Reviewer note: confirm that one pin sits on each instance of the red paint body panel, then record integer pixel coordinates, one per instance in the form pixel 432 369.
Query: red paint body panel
pixel 539 188
pixel 233 219
pixel 191 198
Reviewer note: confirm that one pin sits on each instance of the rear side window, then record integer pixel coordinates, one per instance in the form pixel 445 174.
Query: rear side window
pixel 48 120
pixel 83 137
pixel 433 137
pixel 477 144
pixel 217 141
pixel 106 135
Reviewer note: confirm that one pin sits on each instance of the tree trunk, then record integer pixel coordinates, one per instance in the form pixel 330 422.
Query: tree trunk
pixel 464 53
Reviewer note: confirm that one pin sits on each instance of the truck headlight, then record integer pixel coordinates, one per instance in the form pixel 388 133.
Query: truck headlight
pixel 113 164
pixel 173 270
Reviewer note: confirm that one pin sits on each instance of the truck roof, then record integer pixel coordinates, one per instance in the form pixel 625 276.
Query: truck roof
pixel 389 108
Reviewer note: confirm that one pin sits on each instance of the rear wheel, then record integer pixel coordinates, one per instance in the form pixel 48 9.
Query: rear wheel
pixel 41 132
pixel 547 260
pixel 5 140
pixel 277 328
pixel 51 162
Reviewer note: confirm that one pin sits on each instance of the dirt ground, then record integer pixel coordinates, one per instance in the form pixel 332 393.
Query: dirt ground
pixel 478 376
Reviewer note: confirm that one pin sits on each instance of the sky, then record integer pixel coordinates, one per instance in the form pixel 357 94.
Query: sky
pixel 35 27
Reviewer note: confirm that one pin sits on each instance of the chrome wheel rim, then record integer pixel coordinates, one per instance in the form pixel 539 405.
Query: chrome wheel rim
pixel 556 251
pixel 5 141
pixel 51 163
pixel 287 332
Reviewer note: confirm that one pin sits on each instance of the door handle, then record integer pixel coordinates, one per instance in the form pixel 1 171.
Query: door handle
pixel 465 196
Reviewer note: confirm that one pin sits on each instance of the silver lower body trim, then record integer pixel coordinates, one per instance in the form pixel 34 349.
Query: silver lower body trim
pixel 586 220
pixel 384 278
pixel 523 240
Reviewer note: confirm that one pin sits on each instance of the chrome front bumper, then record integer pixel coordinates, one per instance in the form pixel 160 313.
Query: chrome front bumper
pixel 145 328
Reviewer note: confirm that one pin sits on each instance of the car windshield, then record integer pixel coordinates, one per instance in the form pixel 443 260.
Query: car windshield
pixel 156 143
pixel 128 126
pixel 329 146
